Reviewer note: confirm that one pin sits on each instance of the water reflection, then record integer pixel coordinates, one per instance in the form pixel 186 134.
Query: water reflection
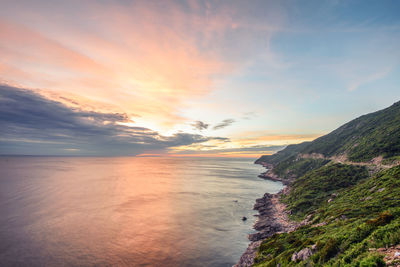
pixel 126 211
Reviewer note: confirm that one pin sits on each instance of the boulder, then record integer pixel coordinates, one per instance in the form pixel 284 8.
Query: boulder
pixel 302 255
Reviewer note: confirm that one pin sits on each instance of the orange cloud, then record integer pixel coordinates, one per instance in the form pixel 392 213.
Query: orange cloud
pixel 140 57
pixel 220 155
pixel 33 47
pixel 278 139
pixel 250 146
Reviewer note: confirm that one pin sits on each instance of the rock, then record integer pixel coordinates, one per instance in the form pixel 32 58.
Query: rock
pixel 381 189
pixel 294 256
pixel 265 232
pixel 247 259
pixel 271 219
pixel 320 224
pixel 302 255
pixel 329 200
pixel 391 255
pixel 244 218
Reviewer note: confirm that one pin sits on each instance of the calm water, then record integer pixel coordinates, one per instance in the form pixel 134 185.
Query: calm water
pixel 126 211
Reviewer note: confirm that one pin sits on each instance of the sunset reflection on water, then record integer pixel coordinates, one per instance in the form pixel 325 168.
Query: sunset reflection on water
pixel 127 211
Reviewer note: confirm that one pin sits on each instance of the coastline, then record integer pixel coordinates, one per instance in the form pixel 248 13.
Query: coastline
pixel 272 218
pixel 270 175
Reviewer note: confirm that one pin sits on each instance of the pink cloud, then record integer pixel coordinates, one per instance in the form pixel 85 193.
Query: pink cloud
pixel 144 57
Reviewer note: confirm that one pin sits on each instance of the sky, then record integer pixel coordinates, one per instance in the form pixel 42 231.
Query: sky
pixel 190 78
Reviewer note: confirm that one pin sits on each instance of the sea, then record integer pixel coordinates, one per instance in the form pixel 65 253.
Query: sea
pixel 127 211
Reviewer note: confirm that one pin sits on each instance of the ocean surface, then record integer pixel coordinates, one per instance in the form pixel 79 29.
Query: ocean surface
pixel 131 211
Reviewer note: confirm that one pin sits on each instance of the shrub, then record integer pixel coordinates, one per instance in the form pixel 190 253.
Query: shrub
pixel 330 249
pixel 372 261
pixel 382 219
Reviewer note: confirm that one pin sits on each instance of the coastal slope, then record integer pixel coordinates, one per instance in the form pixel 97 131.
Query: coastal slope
pixel 341 205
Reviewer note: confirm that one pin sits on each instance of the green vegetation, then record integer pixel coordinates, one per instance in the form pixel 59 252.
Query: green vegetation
pixel 293 167
pixel 369 136
pixel 346 211
pixel 315 188
pixel 391 160
pixel 289 153
pixel 365 214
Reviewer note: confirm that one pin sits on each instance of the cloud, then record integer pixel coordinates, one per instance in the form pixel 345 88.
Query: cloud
pixel 212 151
pixel 32 124
pixel 146 57
pixel 249 115
pixel 356 82
pixel 199 125
pixel 247 149
pixel 223 124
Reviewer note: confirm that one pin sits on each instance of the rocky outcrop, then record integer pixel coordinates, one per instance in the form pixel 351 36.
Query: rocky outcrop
pixel 270 175
pixel 304 254
pixel 391 254
pixel 311 156
pixel 247 259
pixel 272 219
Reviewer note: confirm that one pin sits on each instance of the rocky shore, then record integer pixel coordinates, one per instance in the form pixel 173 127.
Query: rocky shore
pixel 270 175
pixel 272 219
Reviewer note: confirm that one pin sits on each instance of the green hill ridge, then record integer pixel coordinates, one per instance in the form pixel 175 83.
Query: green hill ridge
pixel 344 190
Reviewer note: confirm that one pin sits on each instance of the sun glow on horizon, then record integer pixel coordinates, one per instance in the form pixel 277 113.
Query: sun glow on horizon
pixel 189 77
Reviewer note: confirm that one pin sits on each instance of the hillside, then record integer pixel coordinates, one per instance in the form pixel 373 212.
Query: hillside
pixel 344 194
pixel 348 230
pixel 360 140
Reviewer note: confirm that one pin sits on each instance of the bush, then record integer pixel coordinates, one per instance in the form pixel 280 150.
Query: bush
pixel 330 249
pixel 372 261
pixel 382 219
